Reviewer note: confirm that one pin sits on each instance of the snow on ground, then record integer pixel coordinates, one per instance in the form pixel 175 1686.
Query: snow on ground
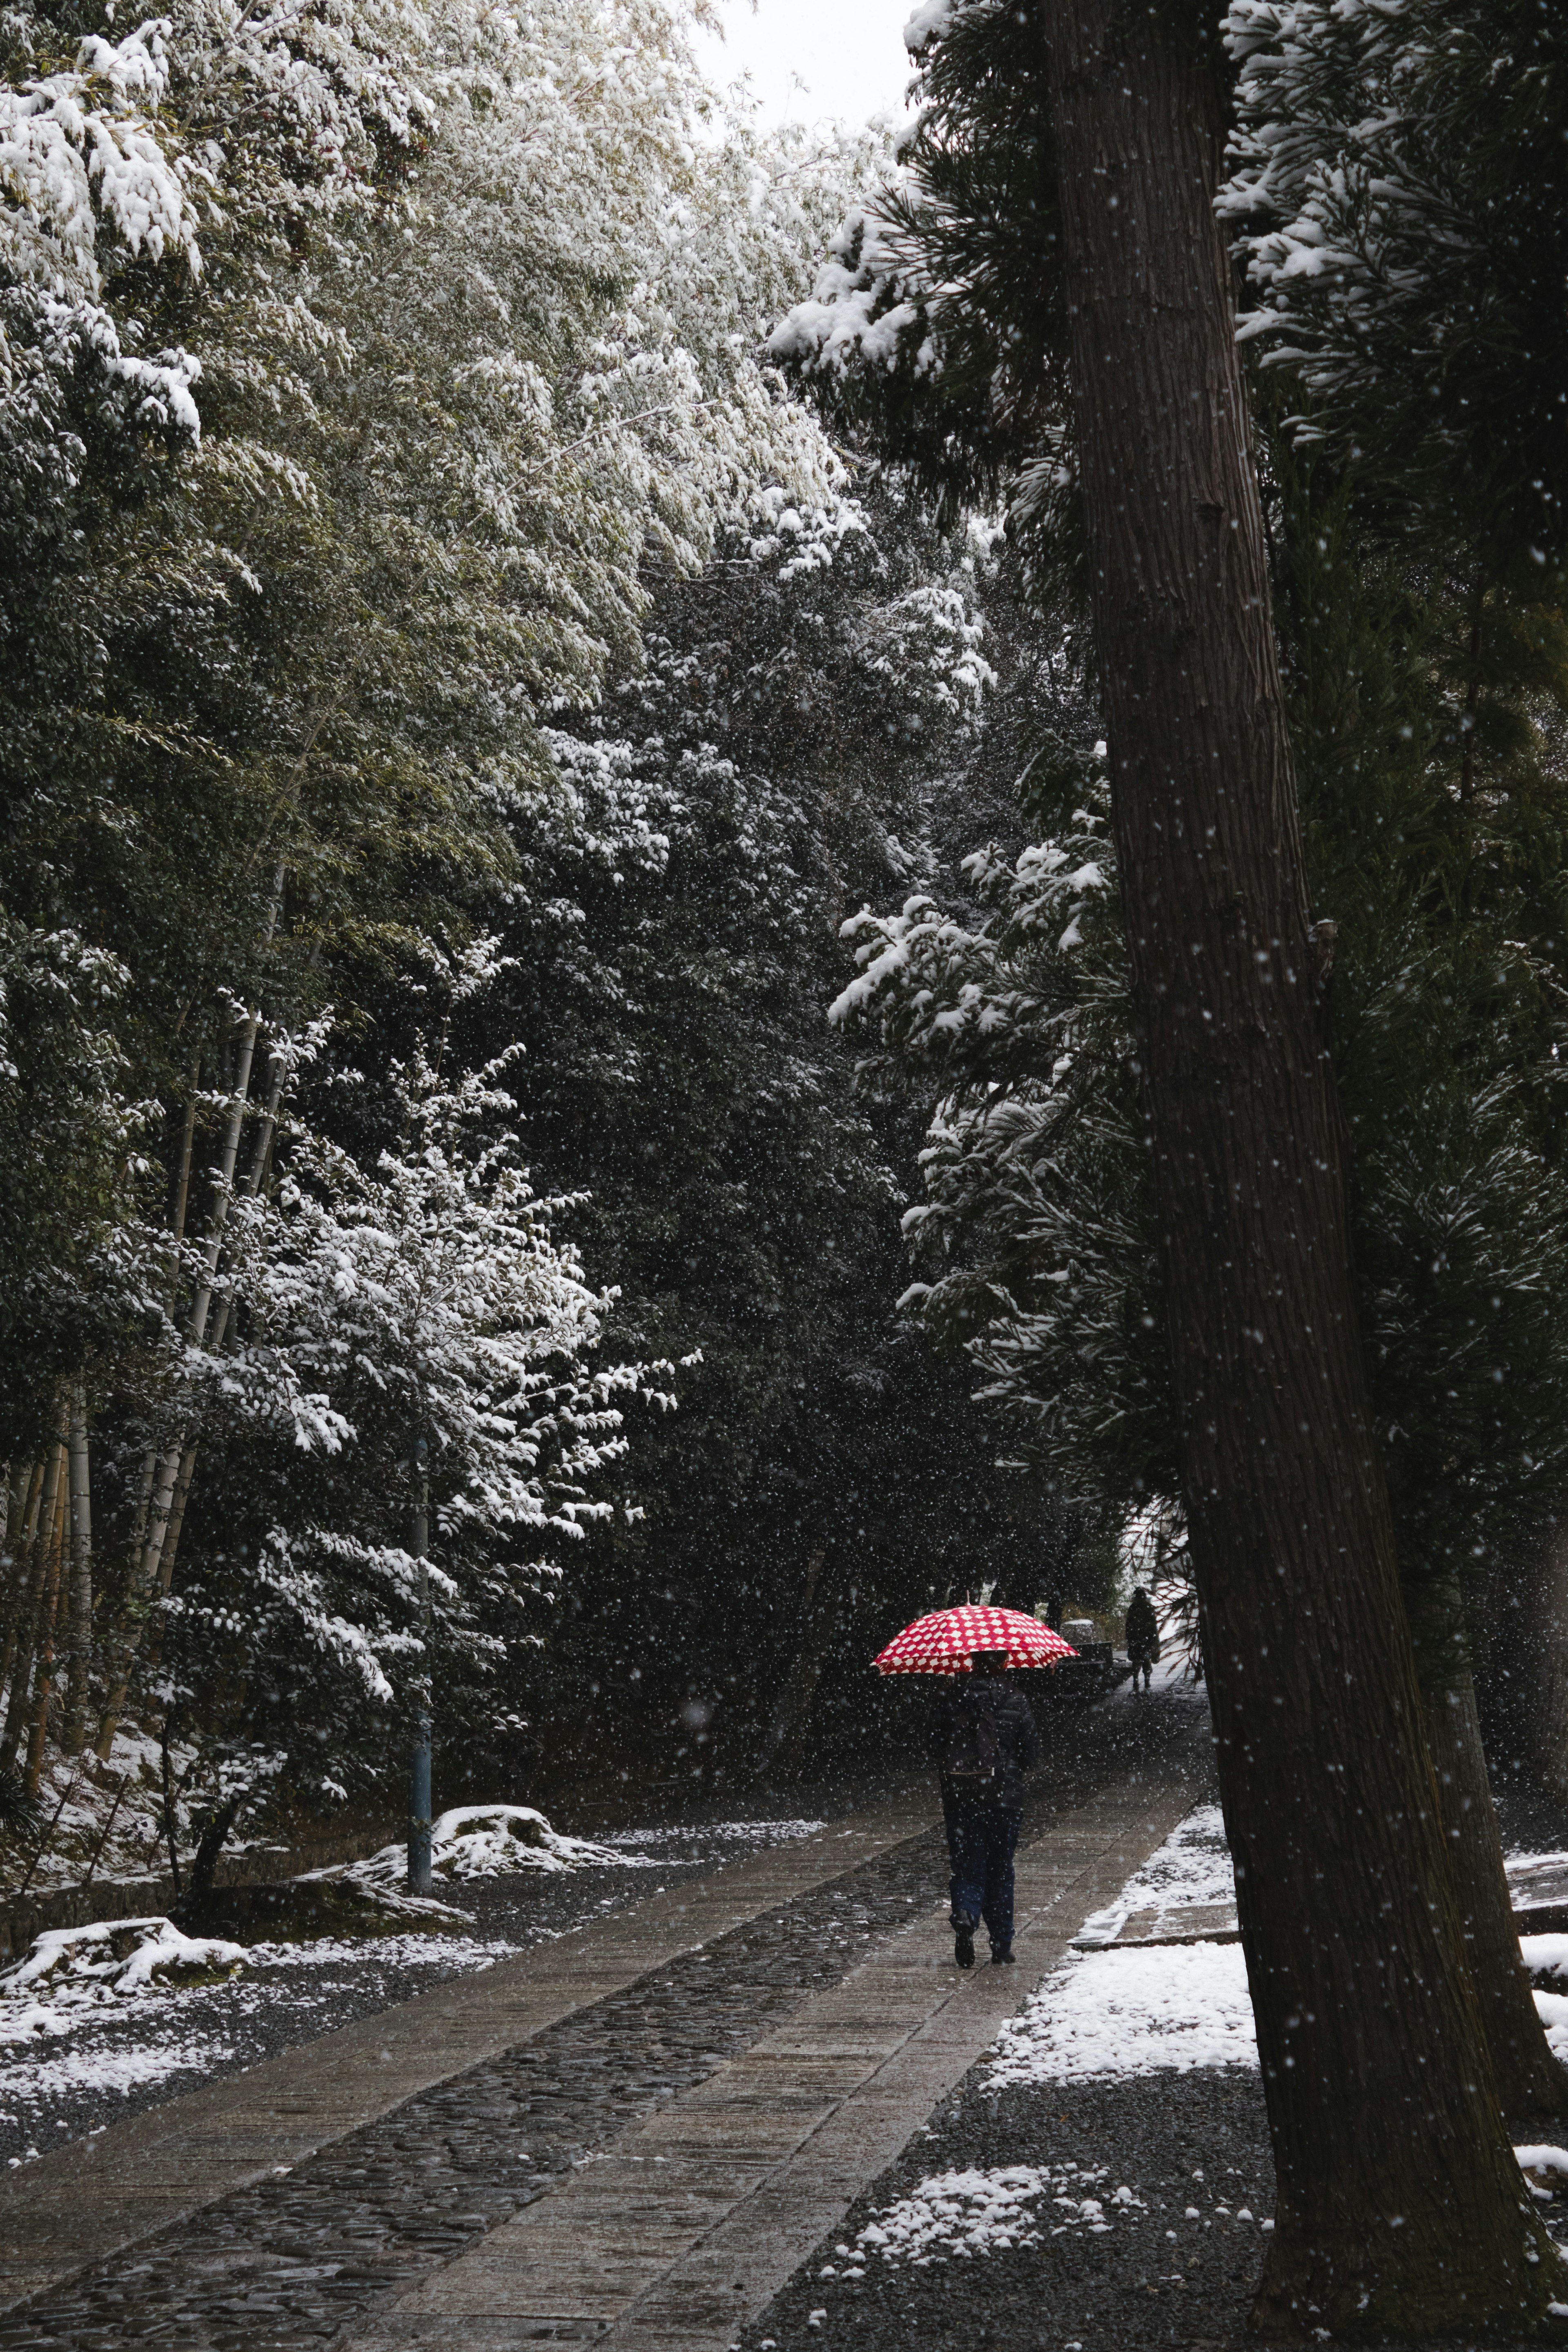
pixel 1134 2011
pixel 1112 2012
pixel 117 1957
pixel 972 2211
pixel 1553 2010
pixel 1141 2010
pixel 1545 1956
pixel 104 2029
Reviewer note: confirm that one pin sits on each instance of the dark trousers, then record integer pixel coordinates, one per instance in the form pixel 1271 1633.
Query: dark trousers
pixel 980 1842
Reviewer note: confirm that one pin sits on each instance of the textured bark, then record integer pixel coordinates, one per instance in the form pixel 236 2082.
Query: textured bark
pixel 18 1591
pixel 1399 2207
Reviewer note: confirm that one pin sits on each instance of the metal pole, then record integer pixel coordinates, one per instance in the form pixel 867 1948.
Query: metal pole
pixel 420 1754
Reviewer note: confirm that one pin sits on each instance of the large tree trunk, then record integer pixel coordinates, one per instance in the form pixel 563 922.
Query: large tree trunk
pixel 1399 2206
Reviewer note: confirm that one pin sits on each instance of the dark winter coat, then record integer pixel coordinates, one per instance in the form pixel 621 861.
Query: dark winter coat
pixel 1015 1735
pixel 1142 1628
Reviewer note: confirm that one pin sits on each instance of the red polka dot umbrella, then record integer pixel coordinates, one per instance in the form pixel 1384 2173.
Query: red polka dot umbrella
pixel 943 1642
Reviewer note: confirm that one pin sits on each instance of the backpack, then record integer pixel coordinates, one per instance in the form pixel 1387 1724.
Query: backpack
pixel 972 1756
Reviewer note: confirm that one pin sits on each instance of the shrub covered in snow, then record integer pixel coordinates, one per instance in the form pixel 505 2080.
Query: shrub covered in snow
pixel 484 1841
pixel 119 1956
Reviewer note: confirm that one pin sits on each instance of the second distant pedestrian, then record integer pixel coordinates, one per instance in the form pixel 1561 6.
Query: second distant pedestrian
pixel 1143 1637
pixel 985 1741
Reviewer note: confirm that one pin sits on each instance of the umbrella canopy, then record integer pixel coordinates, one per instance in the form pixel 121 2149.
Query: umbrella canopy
pixel 943 1642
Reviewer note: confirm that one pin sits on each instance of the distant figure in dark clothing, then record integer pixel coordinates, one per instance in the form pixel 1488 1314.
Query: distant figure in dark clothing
pixel 1143 1637
pixel 985 1741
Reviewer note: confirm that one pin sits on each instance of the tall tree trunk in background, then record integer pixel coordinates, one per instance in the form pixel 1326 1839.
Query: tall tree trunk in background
pixel 1399 2205
pixel 1543 1665
pixel 73 1731
pixel 1529 2080
pixel 204 1864
pixel 785 1751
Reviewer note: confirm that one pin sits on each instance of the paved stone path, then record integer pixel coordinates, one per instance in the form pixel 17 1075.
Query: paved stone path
pixel 490 2159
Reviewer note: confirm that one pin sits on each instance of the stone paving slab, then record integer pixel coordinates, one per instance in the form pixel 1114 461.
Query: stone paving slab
pixel 78 2205
pixel 695 2218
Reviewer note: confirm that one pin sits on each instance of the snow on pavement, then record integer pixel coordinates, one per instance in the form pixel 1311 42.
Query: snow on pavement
pixel 1191 1870
pixel 722 1833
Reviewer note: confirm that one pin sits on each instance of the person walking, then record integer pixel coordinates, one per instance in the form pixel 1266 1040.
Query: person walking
pixel 984 1743
pixel 1143 1637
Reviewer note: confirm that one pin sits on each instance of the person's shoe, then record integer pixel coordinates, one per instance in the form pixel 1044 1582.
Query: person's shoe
pixel 1003 1960
pixel 963 1947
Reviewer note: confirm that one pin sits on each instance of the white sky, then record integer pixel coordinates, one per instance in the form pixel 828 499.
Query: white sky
pixel 848 53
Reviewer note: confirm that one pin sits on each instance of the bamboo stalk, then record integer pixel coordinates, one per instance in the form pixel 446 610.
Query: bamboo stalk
pixel 80 1621
pixel 201 1304
pixel 44 1652
pixel 129 1633
pixel 159 1559
pixel 40 1534
pixel 187 1140
pixel 17 1584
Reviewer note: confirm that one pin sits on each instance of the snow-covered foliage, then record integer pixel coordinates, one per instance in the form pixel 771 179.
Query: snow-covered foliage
pixel 935 321
pixel 1032 1240
pixel 362 373
pixel 1396 190
pixel 424 1301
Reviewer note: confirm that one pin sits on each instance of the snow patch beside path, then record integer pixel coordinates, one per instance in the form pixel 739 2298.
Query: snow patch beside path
pixel 976 2211
pixel 1130 2011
